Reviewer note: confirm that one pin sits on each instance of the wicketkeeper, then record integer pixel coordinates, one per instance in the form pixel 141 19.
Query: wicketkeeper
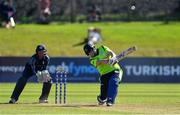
pixel 104 60
pixel 37 65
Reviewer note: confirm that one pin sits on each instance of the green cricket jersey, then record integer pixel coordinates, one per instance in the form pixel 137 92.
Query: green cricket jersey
pixel 102 53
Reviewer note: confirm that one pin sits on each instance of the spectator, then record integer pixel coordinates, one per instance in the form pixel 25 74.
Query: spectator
pixel 7 12
pixel 94 14
pixel 44 6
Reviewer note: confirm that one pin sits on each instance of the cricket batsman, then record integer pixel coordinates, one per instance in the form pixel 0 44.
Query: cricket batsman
pixel 110 72
pixel 37 65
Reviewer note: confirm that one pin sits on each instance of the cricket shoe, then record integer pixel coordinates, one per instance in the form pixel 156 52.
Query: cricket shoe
pixel 100 101
pixel 43 101
pixel 12 101
pixel 109 104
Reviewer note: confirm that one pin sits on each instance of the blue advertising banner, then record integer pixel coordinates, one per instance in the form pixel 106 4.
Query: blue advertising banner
pixel 79 69
pixel 136 70
pixel 151 70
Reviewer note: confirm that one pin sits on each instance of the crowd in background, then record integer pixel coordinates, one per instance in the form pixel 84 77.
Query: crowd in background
pixel 45 11
pixel 8 11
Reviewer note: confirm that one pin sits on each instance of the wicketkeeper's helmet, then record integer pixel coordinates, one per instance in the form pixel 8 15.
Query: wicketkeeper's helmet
pixel 88 48
pixel 41 47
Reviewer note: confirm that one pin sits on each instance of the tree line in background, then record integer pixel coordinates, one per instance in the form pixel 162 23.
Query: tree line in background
pixel 27 11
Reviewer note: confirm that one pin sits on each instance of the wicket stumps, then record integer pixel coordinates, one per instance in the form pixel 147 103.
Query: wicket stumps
pixel 61 79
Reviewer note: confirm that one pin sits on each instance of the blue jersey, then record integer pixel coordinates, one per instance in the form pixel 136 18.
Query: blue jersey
pixel 35 64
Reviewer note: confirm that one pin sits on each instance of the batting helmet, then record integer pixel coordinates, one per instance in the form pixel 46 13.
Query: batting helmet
pixel 88 48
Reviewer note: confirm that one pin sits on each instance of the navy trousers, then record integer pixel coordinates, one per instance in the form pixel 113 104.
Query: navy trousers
pixel 109 86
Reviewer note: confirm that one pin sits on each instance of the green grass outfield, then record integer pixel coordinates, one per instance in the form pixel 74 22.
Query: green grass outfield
pixel 152 38
pixel 81 99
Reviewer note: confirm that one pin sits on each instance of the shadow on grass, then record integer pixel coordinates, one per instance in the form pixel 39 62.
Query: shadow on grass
pixel 19 103
pixel 53 105
pixel 67 105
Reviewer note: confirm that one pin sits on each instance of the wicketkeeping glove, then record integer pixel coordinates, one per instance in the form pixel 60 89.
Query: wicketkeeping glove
pixel 43 76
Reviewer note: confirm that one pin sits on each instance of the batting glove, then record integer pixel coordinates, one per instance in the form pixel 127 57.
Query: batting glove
pixel 112 61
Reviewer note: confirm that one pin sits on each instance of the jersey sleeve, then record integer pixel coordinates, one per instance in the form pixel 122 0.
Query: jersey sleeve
pixel 47 63
pixel 32 64
pixel 106 49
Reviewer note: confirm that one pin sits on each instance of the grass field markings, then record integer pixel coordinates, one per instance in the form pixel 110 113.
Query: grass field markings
pixel 114 108
pixel 125 104
pixel 147 96
pixel 6 103
pixel 69 94
pixel 87 107
pixel 178 104
pixel 129 91
pixel 134 108
pixel 149 108
pixel 150 91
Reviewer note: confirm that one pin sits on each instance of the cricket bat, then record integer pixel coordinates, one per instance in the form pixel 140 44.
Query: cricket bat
pixel 125 53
